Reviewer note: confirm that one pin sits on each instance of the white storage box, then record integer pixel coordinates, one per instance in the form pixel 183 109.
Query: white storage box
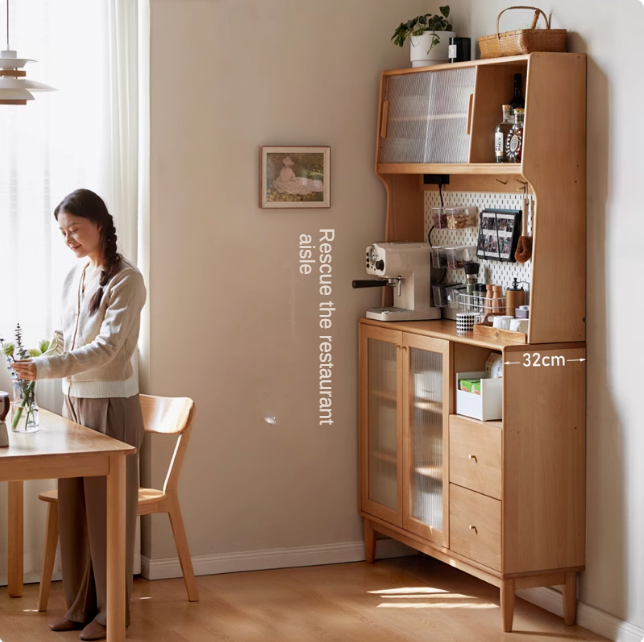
pixel 488 406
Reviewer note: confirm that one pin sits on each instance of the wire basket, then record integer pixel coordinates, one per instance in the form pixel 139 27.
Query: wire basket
pixel 480 305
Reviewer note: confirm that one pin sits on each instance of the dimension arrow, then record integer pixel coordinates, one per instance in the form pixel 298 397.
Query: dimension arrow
pixel 512 363
pixel 575 359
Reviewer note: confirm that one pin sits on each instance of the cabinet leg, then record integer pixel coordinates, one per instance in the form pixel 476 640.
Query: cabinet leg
pixel 369 542
pixel 507 603
pixel 570 598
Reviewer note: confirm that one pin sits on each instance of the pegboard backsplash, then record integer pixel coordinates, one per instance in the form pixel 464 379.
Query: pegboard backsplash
pixel 498 272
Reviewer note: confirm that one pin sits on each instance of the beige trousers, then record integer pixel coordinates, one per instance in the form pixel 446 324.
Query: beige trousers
pixel 82 509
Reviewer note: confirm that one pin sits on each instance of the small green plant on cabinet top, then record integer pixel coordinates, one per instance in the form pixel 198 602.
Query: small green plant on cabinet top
pixel 418 26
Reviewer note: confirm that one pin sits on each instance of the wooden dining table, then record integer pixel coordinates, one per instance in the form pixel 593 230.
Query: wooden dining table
pixel 62 449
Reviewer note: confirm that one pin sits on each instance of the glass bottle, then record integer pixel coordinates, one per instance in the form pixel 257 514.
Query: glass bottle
pixel 517 99
pixel 514 140
pixel 24 415
pixel 501 134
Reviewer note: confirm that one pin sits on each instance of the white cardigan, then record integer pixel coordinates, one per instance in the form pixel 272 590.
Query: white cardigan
pixel 95 359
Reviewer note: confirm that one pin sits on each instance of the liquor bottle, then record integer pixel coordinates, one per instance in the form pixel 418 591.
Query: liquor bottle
pixel 514 140
pixel 517 100
pixel 501 133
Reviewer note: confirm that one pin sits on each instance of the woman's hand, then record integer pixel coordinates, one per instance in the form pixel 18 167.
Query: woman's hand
pixel 25 369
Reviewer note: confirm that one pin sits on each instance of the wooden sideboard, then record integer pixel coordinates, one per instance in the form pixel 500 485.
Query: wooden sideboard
pixel 502 500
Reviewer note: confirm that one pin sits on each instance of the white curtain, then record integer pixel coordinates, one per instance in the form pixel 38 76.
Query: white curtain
pixel 83 135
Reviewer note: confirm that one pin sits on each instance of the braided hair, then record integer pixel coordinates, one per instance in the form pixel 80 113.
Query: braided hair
pixel 87 204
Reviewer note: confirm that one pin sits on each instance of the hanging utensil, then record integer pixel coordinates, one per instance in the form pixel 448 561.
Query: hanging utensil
pixel 523 252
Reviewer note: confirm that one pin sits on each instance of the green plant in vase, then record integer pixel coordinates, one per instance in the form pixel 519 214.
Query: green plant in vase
pixel 423 24
pixel 25 391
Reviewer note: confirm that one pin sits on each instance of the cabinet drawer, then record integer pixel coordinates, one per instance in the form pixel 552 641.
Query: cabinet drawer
pixel 475 455
pixel 475 526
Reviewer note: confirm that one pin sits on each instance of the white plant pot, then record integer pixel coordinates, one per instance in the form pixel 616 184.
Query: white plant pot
pixel 437 55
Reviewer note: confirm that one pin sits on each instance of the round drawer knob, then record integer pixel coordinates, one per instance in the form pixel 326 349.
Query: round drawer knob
pixel 473 528
pixel 473 457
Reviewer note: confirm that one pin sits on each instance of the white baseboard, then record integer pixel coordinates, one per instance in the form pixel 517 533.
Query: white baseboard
pixel 587 616
pixel 261 560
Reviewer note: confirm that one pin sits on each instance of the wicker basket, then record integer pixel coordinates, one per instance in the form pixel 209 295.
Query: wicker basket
pixel 523 41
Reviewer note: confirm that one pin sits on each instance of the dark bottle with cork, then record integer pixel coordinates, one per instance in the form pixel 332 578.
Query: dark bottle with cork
pixel 517 99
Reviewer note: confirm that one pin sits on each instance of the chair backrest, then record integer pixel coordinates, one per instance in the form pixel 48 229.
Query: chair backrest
pixel 170 416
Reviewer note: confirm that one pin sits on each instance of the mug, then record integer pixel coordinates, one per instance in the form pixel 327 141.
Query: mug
pixel 465 322
pixel 502 322
pixel 519 325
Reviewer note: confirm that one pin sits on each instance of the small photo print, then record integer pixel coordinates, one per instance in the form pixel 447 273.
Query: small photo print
pixel 488 222
pixel 505 246
pixel 491 244
pixel 295 177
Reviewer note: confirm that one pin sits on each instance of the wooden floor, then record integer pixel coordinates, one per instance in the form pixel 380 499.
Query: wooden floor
pixel 397 600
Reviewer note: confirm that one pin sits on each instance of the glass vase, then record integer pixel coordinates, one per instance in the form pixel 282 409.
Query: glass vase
pixel 24 415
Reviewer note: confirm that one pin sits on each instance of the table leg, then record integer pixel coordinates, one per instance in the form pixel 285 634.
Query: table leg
pixel 116 586
pixel 16 538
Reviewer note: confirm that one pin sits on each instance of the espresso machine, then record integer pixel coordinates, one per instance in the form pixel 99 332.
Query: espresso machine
pixel 405 266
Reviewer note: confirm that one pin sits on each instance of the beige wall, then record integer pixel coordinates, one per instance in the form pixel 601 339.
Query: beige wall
pixel 611 35
pixel 233 324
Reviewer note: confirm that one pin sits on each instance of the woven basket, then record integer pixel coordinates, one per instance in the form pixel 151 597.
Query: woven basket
pixel 523 41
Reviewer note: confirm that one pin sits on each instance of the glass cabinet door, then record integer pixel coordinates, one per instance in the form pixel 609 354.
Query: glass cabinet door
pixel 381 423
pixel 425 425
pixel 427 116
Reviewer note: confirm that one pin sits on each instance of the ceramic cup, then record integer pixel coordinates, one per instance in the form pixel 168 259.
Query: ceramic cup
pixel 465 322
pixel 502 322
pixel 519 325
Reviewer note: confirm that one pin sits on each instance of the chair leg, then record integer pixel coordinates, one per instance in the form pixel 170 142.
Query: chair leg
pixel 181 541
pixel 51 541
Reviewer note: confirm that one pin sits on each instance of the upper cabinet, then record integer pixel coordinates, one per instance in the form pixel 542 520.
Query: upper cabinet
pixel 427 117
pixel 447 114
pixel 442 120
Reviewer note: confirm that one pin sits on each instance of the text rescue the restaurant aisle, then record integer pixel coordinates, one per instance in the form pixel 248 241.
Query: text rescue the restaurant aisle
pixel 326 310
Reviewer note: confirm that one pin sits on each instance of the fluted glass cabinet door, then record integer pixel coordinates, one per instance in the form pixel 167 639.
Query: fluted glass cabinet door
pixel 425 425
pixel 427 116
pixel 381 423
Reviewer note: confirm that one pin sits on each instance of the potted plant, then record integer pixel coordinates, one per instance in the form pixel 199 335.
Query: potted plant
pixel 429 35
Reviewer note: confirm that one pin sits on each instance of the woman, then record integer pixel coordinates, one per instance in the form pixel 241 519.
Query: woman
pixel 288 183
pixel 102 301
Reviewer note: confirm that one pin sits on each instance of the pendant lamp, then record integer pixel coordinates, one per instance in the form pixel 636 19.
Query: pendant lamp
pixel 15 89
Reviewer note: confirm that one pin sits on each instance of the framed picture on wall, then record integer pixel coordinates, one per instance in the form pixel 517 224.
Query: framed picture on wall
pixel 295 177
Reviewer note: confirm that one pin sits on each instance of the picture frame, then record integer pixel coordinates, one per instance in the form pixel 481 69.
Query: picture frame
pixel 295 177
pixel 498 234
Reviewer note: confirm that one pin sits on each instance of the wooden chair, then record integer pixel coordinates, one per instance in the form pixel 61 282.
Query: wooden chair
pixel 161 415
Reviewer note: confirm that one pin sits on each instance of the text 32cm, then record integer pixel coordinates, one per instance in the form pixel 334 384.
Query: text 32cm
pixel 535 360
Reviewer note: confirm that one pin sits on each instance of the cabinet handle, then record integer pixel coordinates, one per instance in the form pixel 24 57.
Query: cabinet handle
pixel 473 457
pixel 385 115
pixel 469 115
pixel 473 528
